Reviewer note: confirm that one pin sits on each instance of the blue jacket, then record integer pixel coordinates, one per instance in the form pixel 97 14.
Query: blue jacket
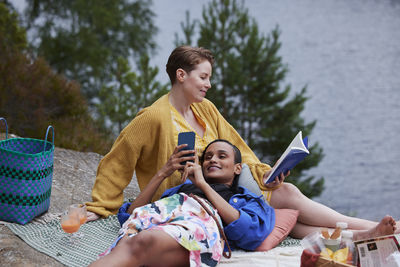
pixel 255 223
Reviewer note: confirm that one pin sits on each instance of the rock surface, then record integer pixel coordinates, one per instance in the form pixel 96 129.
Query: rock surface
pixel 74 174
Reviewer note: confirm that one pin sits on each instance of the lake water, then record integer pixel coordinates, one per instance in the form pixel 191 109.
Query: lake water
pixel 348 54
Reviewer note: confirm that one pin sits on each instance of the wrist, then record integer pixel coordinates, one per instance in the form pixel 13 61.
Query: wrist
pixel 203 186
pixel 160 175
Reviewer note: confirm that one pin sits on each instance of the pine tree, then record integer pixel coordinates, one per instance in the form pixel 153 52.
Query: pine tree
pixel 32 96
pixel 95 43
pixel 247 85
pixel 128 93
pixel 83 39
pixel 12 36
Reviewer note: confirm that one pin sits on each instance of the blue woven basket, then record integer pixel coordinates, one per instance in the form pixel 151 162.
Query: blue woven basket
pixel 26 174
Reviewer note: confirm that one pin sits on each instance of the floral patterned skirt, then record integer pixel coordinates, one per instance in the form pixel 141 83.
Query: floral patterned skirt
pixel 185 220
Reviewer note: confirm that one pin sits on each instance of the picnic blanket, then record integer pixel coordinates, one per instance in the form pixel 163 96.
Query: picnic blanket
pixel 47 237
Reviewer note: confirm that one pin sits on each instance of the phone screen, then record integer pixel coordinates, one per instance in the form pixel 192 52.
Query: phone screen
pixel 189 139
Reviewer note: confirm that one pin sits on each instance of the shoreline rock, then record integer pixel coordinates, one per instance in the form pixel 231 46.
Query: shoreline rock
pixel 74 174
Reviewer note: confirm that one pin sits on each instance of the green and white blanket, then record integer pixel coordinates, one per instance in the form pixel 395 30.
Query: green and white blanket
pixel 49 238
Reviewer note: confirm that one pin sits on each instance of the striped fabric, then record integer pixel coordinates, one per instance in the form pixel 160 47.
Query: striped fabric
pixel 49 238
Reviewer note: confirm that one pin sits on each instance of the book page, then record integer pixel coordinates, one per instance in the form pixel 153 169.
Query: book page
pixel 297 143
pixel 295 147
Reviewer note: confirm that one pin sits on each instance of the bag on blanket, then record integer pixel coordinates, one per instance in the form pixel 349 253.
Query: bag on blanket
pixel 26 172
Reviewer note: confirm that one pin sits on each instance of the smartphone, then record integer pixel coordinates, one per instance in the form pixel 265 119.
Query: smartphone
pixel 189 139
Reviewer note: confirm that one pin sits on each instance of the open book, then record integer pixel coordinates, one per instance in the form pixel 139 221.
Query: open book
pixel 295 153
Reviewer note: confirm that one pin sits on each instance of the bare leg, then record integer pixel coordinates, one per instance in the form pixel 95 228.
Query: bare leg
pixel 313 213
pixel 149 248
pixel 386 226
pixel 300 230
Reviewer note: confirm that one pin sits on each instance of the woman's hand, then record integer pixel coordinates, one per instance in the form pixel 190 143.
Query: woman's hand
pixel 174 161
pixel 173 164
pixel 194 172
pixel 278 179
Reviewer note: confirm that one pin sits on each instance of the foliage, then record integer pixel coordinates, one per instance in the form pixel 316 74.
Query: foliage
pixel 12 37
pixel 84 38
pixel 32 96
pixel 130 92
pixel 247 85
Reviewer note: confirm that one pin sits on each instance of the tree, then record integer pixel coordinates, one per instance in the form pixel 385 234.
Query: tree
pixel 83 39
pixel 12 37
pixel 247 85
pixel 32 96
pixel 130 92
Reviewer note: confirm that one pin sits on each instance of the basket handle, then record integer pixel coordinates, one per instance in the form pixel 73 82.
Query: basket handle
pixel 47 133
pixel 5 122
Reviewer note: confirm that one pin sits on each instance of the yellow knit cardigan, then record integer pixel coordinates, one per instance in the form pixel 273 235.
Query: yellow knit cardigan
pixel 145 145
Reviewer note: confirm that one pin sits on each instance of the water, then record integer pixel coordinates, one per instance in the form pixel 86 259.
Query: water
pixel 348 53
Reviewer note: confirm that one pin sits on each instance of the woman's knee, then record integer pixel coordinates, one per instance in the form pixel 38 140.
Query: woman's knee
pixel 129 251
pixel 290 189
pixel 139 244
pixel 283 196
pixel 155 247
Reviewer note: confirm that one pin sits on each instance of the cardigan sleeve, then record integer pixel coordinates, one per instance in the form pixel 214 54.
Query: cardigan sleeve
pixel 226 131
pixel 143 146
pixel 116 169
pixel 115 172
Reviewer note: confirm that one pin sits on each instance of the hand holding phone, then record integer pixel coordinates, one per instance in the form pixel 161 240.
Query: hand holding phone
pixel 189 139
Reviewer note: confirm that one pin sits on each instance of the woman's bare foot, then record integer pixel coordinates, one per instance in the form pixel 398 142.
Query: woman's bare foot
pixel 386 226
pixel 91 216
